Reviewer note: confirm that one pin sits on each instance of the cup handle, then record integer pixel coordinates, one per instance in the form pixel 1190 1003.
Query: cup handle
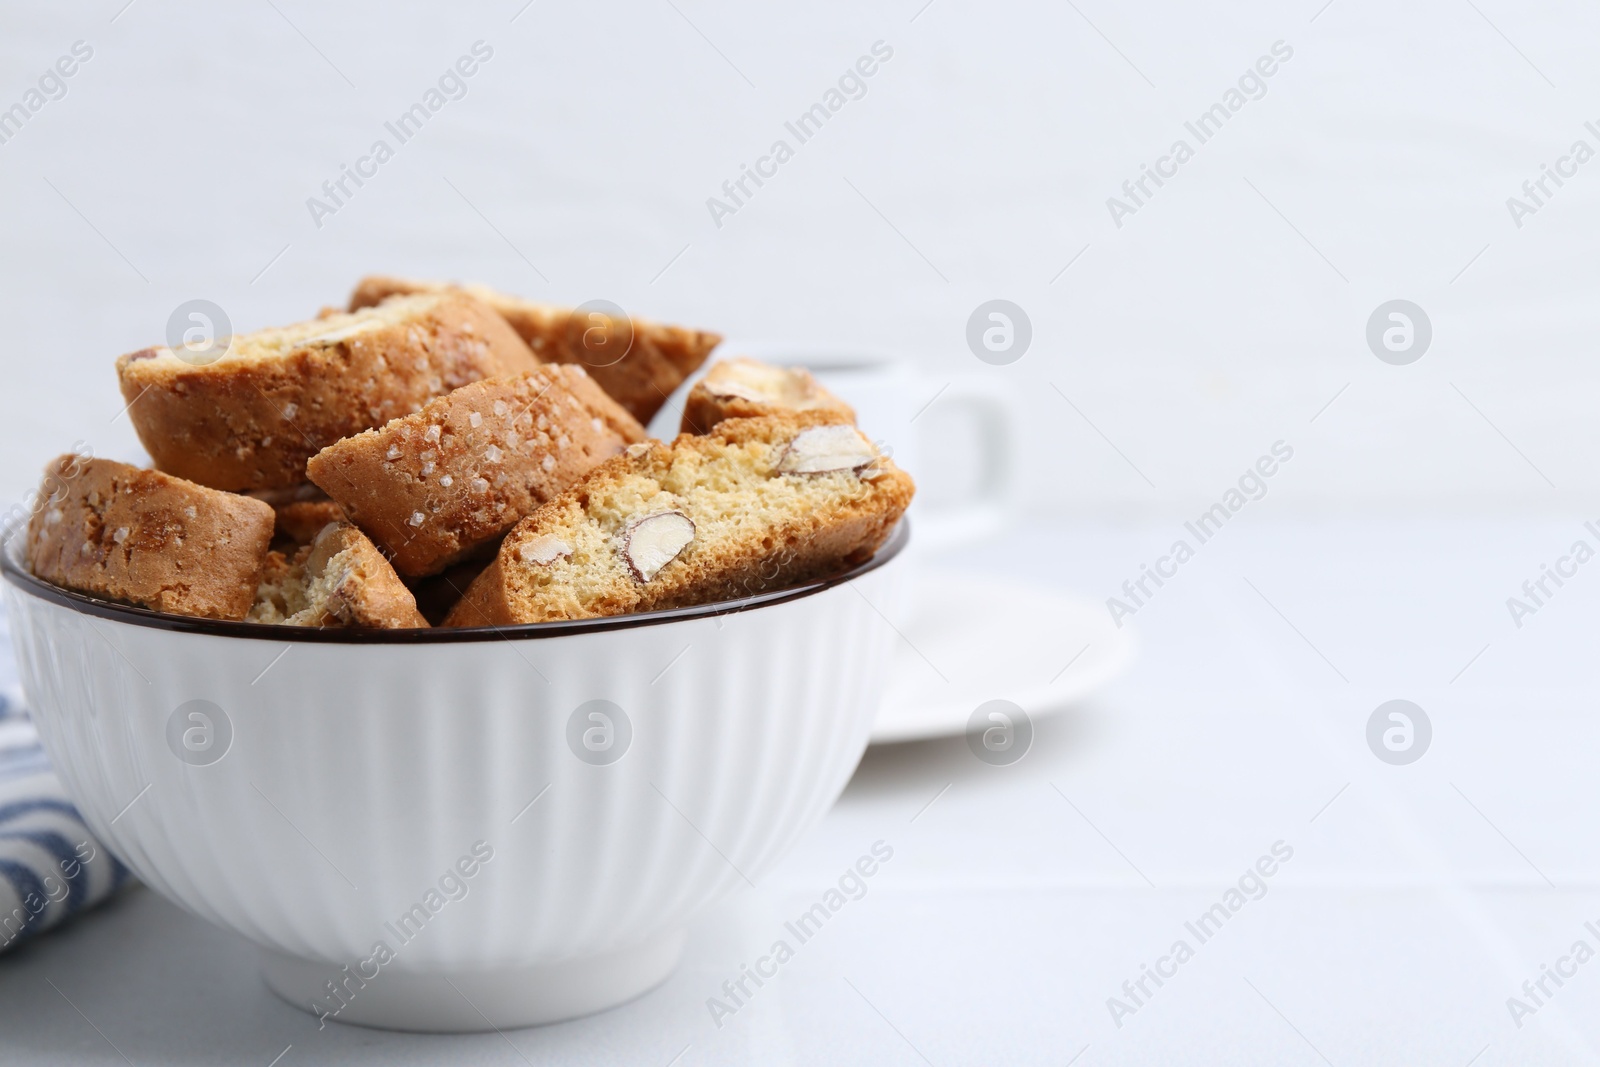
pixel 987 511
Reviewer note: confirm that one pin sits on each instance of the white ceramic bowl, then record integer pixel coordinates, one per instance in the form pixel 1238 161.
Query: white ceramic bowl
pixel 447 794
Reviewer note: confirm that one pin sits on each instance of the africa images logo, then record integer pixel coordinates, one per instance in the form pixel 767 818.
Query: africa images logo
pixel 1399 732
pixel 1252 485
pixel 199 733
pixel 599 732
pixel 451 85
pixel 51 86
pixel 1251 85
pixel 852 85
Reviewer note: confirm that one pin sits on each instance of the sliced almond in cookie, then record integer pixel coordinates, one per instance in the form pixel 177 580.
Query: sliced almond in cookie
pixel 827 448
pixel 543 550
pixel 653 541
pixel 744 388
pixel 710 517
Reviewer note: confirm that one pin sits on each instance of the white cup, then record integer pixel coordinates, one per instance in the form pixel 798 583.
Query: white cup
pixel 892 401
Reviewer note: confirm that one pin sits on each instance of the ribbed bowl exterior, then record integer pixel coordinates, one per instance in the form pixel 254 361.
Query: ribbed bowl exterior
pixel 359 775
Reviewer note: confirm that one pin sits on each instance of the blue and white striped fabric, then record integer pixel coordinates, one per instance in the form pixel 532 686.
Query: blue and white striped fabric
pixel 51 867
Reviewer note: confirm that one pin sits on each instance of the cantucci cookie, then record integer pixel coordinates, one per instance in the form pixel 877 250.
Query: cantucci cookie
pixel 339 579
pixel 115 531
pixel 433 487
pixel 250 418
pixel 744 388
pixel 756 504
pixel 639 363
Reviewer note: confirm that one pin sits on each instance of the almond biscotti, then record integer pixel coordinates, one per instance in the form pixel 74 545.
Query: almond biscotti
pixel 115 531
pixel 656 361
pixel 251 418
pixel 339 579
pixel 753 505
pixel 433 487
pixel 744 388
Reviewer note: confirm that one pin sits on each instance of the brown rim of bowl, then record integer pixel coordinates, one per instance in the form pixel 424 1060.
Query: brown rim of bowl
pixel 84 604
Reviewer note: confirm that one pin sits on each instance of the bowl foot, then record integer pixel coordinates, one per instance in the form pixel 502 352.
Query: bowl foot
pixel 465 1001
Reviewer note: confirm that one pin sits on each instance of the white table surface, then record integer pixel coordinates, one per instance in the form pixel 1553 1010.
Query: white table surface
pixel 1416 902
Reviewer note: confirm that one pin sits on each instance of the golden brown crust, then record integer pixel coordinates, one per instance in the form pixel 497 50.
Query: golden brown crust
pixel 339 579
pixel 251 419
pixel 434 487
pixel 755 527
pixel 659 358
pixel 488 600
pixel 113 530
pixel 299 522
pixel 743 388
pixel 300 512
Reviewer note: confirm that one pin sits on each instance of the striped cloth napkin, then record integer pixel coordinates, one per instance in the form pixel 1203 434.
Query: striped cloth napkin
pixel 51 866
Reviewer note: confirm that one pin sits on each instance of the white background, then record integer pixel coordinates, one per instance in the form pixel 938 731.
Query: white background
pixel 1221 318
pixel 1213 323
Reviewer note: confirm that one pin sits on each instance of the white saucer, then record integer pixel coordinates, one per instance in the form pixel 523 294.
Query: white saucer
pixel 992 638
